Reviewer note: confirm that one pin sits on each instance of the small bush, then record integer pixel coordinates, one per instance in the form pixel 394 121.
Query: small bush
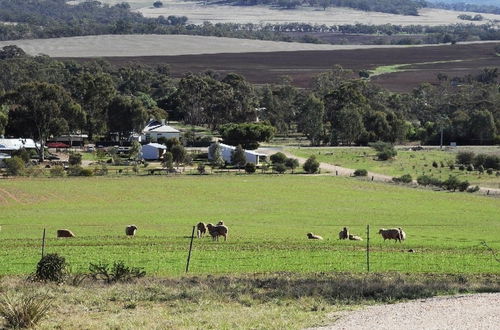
pixel 489 171
pixel 292 163
pixel 311 165
pixel 385 151
pixel 56 171
pixel 406 178
pixel 278 158
pixel 15 166
pixel 250 168
pixel 360 172
pixel 470 167
pixel 426 180
pixel 201 169
pixel 86 172
pixel 465 157
pixel 480 168
pixel 452 183
pixel 461 168
pixel 435 164
pixel 33 171
pixel 52 268
pixel 118 272
pixel 280 168
pixel 462 186
pixel 452 167
pixel 75 159
pixel 24 311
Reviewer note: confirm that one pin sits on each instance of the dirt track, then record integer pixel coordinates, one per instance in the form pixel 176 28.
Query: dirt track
pixel 479 311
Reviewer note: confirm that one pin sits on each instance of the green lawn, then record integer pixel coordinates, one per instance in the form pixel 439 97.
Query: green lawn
pixel 415 163
pixel 268 218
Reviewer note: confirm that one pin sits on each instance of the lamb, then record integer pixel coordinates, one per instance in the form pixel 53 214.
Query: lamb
pixel 130 230
pixel 201 229
pixel 216 231
pixel 65 233
pixel 344 233
pixel 355 238
pixel 402 234
pixel 393 233
pixel 312 236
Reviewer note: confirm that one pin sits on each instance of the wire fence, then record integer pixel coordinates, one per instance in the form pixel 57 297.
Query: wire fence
pixel 159 255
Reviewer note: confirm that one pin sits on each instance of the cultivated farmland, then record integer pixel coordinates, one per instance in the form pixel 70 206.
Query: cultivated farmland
pixel 268 218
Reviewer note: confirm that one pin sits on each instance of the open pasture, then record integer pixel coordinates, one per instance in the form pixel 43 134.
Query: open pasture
pixel 415 163
pixel 268 218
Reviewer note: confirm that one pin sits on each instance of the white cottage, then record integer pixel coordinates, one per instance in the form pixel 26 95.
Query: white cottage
pixel 9 145
pixel 153 151
pixel 155 130
pixel 227 152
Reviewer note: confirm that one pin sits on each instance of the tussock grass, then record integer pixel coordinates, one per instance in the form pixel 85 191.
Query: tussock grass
pixel 257 301
pixel 23 311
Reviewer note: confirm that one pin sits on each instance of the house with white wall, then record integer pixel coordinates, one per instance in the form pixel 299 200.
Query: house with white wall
pixel 155 129
pixel 227 152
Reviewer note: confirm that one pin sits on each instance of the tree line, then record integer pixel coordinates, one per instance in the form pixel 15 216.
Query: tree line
pixel 40 96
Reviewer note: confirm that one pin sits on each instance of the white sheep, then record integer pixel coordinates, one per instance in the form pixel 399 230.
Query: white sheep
pixel 355 238
pixel 312 236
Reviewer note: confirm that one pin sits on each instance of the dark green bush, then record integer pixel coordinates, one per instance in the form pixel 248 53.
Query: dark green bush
pixel 435 164
pixel 201 169
pixel 489 171
pixel 480 168
pixel 384 150
pixel 462 186
pixel 426 180
pixel 86 172
pixel 118 272
pixel 250 168
pixel 452 183
pixel 452 167
pixel 52 267
pixel 360 172
pixel 75 159
pixel 291 163
pixel 57 171
pixel 278 158
pixel 405 178
pixel 465 157
pixel 280 168
pixel 470 167
pixel 461 168
pixel 311 165
pixel 15 166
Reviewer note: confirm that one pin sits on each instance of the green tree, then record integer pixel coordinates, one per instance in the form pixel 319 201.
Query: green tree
pixel 247 134
pixel 125 114
pixel 292 163
pixel 311 165
pixel 178 153
pixel 482 126
pixel 45 109
pixel 168 160
pixel 348 125
pixel 135 151
pixel 15 166
pixel 311 119
pixel 278 158
pixel 216 155
pixel 238 157
pixel 4 117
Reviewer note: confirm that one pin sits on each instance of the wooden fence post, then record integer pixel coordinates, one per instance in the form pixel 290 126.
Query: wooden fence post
pixel 43 242
pixel 368 248
pixel 190 248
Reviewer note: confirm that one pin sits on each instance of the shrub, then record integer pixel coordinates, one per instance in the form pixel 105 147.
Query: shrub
pixel 280 168
pixel 157 4
pixel 52 267
pixel 473 189
pixel 34 171
pixel 426 180
pixel 311 165
pixel 452 183
pixel 360 172
pixel 465 157
pixel 489 171
pixel 452 167
pixel 57 171
pixel 75 159
pixel 385 150
pixel 86 172
pixel 201 169
pixel 461 168
pixel 435 164
pixel 480 168
pixel 24 311
pixel 278 158
pixel 103 170
pixel 462 186
pixel 14 166
pixel 492 161
pixel 479 160
pixel 406 178
pixel 470 167
pixel 118 272
pixel 250 168
pixel 291 163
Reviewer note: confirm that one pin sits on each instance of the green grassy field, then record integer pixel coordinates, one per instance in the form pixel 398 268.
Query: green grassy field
pixel 415 163
pixel 268 217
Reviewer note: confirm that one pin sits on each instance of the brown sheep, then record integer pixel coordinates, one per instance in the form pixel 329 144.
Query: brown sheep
pixel 216 231
pixel 201 229
pixel 355 238
pixel 130 230
pixel 312 236
pixel 65 233
pixel 393 233
pixel 344 233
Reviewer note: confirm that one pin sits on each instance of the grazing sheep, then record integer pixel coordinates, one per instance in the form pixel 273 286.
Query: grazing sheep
pixel 201 229
pixel 393 233
pixel 344 233
pixel 130 230
pixel 65 233
pixel 355 238
pixel 312 236
pixel 216 231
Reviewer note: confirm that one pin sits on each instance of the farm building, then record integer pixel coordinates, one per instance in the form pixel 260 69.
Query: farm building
pixel 227 151
pixel 2 158
pixel 8 146
pixel 153 151
pixel 155 130
pixel 72 140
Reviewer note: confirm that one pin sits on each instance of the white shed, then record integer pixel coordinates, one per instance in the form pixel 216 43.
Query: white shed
pixel 153 151
pixel 227 152
pixel 155 130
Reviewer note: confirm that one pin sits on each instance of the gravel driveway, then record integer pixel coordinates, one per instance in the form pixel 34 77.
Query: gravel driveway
pixel 476 311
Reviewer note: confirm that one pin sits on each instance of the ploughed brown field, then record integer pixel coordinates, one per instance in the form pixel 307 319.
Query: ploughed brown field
pixel 302 66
